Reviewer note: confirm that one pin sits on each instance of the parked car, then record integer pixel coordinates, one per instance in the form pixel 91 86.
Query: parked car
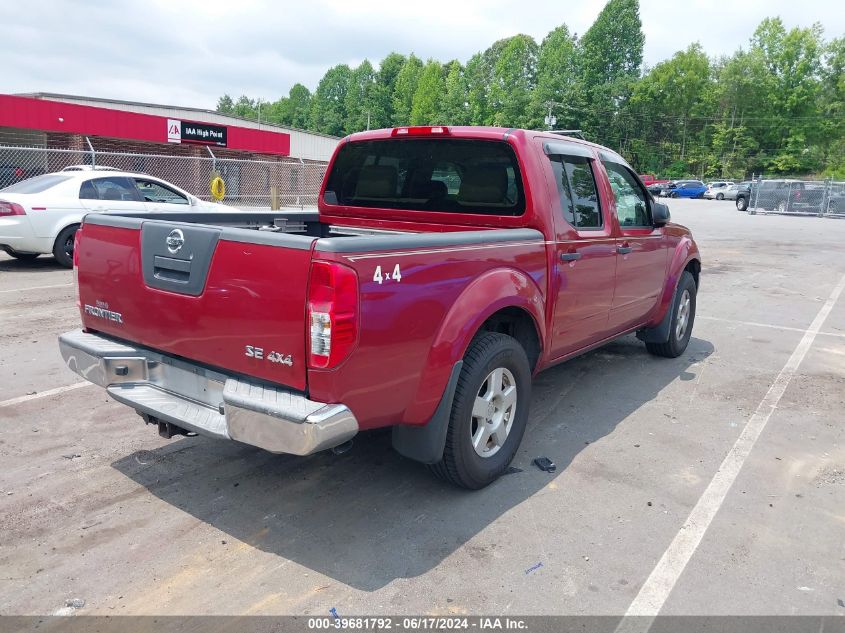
pixel 730 192
pixel 684 189
pixel 782 196
pixel 10 174
pixel 716 189
pixel 41 215
pixel 424 302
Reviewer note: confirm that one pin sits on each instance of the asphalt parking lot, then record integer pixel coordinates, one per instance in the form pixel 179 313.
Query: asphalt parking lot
pixel 644 511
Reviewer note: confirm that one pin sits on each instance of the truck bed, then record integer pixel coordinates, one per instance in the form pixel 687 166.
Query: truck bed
pixel 239 281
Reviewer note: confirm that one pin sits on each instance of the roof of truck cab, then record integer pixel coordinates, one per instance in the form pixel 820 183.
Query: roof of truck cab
pixel 470 131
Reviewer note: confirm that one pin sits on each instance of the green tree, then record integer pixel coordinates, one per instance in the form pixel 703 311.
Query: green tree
pixel 382 100
pixel 476 82
pixel 453 107
pixel 245 107
pixel 431 87
pixel 360 97
pixel 557 80
pixel 298 106
pixel 225 105
pixel 514 77
pixel 793 60
pixel 610 60
pixel 671 103
pixel 328 107
pixel 405 89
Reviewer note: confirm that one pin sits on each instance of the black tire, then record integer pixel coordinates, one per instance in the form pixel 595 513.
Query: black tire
pixel 24 257
pixel 782 207
pixel 678 340
pixel 720 196
pixel 673 195
pixel 741 204
pixel 63 247
pixel 461 464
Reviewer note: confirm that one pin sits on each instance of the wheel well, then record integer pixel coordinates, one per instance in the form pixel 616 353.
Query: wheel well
pixel 694 268
pixel 64 228
pixel 517 323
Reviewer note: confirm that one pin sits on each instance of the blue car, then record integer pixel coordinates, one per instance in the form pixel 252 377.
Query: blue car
pixel 685 189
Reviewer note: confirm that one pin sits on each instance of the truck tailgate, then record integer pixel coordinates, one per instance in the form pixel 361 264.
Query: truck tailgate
pixel 226 297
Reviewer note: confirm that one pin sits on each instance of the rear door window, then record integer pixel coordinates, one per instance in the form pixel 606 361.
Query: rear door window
pixel 576 187
pixel 444 175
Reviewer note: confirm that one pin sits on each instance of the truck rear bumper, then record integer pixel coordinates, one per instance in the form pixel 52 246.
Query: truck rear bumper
pixel 207 402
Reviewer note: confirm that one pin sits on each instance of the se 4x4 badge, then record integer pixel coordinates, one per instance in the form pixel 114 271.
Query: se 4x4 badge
pixel 272 357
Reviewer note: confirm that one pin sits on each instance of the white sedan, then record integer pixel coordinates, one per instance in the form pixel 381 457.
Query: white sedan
pixel 41 215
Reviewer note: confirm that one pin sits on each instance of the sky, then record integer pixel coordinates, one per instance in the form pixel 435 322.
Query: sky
pixel 189 52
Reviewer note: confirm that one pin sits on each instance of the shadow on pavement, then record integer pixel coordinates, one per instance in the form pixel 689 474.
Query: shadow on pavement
pixel 370 516
pixel 46 263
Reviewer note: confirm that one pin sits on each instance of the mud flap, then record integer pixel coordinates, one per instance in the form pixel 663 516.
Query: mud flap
pixel 660 333
pixel 425 443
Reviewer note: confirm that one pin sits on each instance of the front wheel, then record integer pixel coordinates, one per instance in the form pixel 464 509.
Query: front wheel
pixel 782 207
pixel 489 412
pixel 673 195
pixel 720 196
pixel 63 248
pixel 682 319
pixel 741 204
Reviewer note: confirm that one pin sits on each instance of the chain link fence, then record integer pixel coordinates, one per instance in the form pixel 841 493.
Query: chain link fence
pixel 249 183
pixel 794 197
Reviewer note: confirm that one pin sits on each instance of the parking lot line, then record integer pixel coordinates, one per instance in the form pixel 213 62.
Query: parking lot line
pixel 768 325
pixel 35 288
pixel 657 587
pixel 43 394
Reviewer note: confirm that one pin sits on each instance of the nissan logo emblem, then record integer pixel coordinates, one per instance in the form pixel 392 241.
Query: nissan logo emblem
pixel 175 241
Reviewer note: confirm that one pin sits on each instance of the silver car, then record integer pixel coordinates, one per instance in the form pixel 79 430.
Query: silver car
pixel 717 189
pixel 729 192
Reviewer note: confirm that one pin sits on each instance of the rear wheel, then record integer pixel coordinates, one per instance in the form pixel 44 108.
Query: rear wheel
pixel 489 412
pixel 63 248
pixel 24 257
pixel 682 319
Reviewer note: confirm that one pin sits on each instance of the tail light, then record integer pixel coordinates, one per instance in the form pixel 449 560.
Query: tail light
pixel 76 237
pixel 332 314
pixel 10 208
pixel 420 130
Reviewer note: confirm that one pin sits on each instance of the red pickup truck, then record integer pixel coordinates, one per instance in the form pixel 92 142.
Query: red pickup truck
pixel 444 268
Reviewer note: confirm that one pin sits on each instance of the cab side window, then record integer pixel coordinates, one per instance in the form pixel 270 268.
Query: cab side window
pixel 576 187
pixel 632 207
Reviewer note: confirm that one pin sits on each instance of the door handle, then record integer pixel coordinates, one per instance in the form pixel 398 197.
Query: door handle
pixel 623 250
pixel 570 257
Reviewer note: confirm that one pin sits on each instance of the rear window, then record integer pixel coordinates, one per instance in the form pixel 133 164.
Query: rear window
pixel 38 184
pixel 446 175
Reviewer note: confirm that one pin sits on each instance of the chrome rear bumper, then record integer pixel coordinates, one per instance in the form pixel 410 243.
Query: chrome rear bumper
pixel 205 401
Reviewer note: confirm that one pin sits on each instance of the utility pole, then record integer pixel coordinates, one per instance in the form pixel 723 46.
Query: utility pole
pixel 550 120
pixel 368 119
pixel 259 113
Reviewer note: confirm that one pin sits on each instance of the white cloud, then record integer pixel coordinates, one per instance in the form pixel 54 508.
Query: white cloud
pixel 191 52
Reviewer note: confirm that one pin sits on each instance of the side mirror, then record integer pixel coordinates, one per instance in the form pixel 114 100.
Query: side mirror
pixel 660 214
